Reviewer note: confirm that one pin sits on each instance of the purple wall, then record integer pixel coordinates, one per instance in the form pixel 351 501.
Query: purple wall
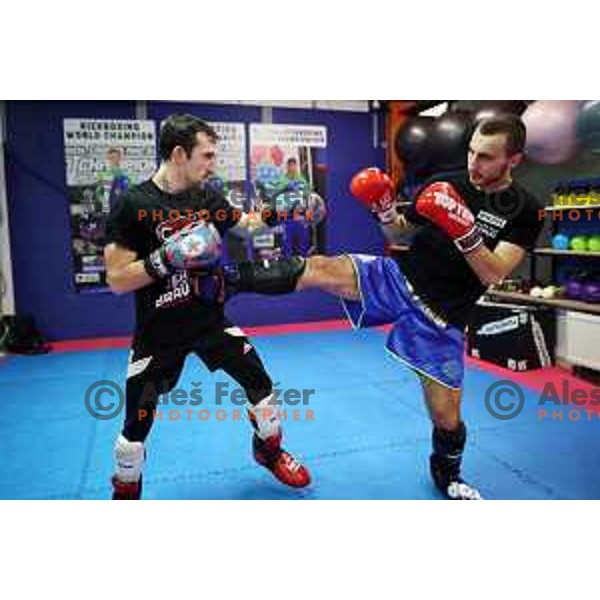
pixel 40 230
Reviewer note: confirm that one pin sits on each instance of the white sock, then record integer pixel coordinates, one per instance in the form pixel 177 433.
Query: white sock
pixel 266 417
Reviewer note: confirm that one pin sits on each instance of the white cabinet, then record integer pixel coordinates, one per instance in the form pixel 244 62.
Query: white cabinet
pixel 578 339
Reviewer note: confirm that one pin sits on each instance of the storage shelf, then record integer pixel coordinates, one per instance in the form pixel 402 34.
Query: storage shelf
pixel 554 252
pixel 568 207
pixel 518 297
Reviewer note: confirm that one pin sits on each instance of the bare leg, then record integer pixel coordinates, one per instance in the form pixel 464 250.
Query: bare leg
pixel 442 403
pixel 332 274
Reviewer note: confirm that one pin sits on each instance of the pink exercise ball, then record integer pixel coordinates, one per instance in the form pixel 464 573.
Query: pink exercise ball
pixel 551 130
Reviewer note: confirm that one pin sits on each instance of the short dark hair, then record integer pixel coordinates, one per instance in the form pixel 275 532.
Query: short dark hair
pixel 180 130
pixel 292 161
pixel 509 125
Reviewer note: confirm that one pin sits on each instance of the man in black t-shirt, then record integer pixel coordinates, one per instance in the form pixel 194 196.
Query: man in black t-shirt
pixel 507 215
pixel 469 232
pixel 163 235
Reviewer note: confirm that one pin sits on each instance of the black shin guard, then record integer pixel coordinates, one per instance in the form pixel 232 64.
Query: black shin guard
pixel 264 276
pixel 446 460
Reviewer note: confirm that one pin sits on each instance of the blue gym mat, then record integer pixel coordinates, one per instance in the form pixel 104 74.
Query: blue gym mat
pixel 369 437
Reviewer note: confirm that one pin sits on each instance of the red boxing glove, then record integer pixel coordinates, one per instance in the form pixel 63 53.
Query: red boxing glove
pixel 441 204
pixel 374 188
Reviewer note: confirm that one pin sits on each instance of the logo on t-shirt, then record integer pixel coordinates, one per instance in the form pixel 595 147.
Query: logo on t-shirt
pixel 165 229
pixel 178 291
pixel 491 225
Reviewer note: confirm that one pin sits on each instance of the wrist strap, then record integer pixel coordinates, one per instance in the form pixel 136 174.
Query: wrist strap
pixel 470 241
pixel 155 266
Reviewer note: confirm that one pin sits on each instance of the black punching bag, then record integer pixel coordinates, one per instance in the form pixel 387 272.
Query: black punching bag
pixel 487 108
pixel 413 143
pixel 450 139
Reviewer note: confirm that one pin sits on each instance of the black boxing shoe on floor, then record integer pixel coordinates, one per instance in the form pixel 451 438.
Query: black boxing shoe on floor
pixel 447 480
pixel 459 490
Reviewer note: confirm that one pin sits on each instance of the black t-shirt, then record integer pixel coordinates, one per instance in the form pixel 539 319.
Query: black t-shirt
pixel 439 272
pixel 168 315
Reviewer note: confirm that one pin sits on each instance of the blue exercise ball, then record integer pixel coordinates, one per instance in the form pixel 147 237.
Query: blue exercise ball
pixel 560 241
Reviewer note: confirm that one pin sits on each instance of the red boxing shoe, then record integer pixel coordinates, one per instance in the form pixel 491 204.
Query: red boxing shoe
pixel 282 464
pixel 126 490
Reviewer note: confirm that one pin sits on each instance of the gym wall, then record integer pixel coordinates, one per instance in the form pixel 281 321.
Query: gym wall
pixel 39 219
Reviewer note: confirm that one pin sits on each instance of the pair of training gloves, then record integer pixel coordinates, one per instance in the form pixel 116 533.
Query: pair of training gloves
pixel 439 203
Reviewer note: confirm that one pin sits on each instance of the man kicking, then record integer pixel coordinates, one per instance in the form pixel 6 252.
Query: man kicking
pixel 470 231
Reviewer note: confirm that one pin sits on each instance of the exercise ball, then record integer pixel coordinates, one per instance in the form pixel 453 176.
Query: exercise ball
pixel 588 124
pixel 413 142
pixel 574 290
pixel 450 140
pixel 551 131
pixel 579 243
pixel 487 108
pixel 550 292
pixel 594 243
pixel 560 241
pixel 496 108
pixel 591 292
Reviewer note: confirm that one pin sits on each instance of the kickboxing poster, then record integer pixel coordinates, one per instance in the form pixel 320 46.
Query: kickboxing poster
pixel 230 173
pixel 103 157
pixel 283 159
pixel 230 180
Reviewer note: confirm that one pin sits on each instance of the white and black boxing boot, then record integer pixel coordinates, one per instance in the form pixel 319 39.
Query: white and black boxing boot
pixel 445 464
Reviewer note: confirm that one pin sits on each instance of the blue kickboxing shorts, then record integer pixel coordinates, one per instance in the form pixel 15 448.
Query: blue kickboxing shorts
pixel 419 338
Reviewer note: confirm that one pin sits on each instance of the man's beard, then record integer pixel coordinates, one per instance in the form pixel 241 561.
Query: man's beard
pixel 491 182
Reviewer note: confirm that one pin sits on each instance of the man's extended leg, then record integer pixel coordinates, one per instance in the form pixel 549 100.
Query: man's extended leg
pixel 333 274
pixel 449 440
